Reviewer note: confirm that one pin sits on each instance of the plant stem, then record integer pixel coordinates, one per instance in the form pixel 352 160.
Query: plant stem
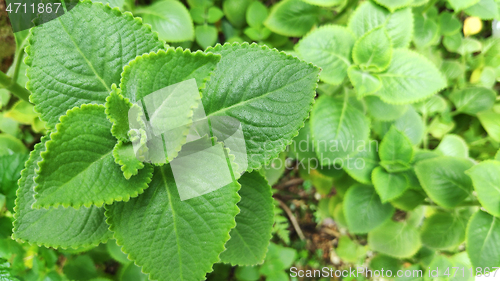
pixel 9 84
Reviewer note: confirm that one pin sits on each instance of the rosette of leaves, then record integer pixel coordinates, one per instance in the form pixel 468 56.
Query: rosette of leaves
pixel 82 184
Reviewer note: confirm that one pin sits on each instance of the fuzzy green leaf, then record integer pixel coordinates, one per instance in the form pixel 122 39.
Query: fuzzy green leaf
pixel 443 230
pixel 117 108
pixel 124 155
pixel 396 239
pixel 473 100
pixel 74 59
pixel 373 49
pixel 395 146
pixel 486 180
pixel 363 209
pixel 388 185
pixel 170 19
pixel 483 240
pixel 398 24
pixel 409 78
pixel 78 168
pixel 328 47
pixel 444 179
pixel 56 227
pixel 173 239
pixel 269 92
pixel 292 18
pixel 337 128
pixel 171 66
pixel 250 237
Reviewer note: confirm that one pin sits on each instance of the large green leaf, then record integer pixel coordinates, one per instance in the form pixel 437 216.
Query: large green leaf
pixel 389 185
pixel 363 209
pixel 250 237
pixel 484 9
pixel 490 120
pixel 444 179
pixel 328 47
pixel 75 58
pixel 268 92
pixel 338 128
pixel 383 111
pixel 78 167
pixel 486 180
pixel 474 99
pixel 443 230
pixel 453 145
pixel 483 240
pixel 409 78
pixel 398 24
pixel 292 18
pixel 362 164
pixel 170 19
pixel 396 239
pixel 173 239
pixel 56 227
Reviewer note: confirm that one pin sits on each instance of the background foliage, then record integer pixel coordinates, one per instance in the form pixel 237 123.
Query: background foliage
pixel 417 77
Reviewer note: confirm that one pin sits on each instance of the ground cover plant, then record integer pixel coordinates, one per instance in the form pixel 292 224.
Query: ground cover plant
pixel 372 133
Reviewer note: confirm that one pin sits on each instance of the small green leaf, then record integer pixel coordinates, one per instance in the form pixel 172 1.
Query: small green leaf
pixel 235 11
pixel 363 209
pixel 269 92
pixel 256 14
pixel 473 100
pixel 337 128
pixel 444 179
pixel 373 50
pixel 56 227
pixel 117 108
pixel 206 35
pixel 329 47
pixel 78 169
pixel 395 166
pixel 412 125
pixel 165 235
pixel 486 180
pixel 257 34
pixel 170 19
pixel 453 145
pixel 364 83
pixel 124 155
pixel 292 18
pixel 380 262
pixel 484 9
pixel 349 250
pixel 250 237
pixel 78 37
pixel 398 24
pixel 409 200
pixel 214 14
pixel 443 231
pixel 395 146
pixel 395 239
pixel 389 186
pixel 409 78
pixel 383 111
pixel 449 24
pixel 483 240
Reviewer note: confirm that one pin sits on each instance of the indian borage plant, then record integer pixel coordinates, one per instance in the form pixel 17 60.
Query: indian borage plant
pixel 376 88
pixel 83 184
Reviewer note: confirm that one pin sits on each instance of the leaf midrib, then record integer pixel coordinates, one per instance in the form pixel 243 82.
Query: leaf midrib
pixel 84 57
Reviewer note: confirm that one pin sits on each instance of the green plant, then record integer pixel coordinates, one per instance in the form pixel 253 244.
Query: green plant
pixel 84 177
